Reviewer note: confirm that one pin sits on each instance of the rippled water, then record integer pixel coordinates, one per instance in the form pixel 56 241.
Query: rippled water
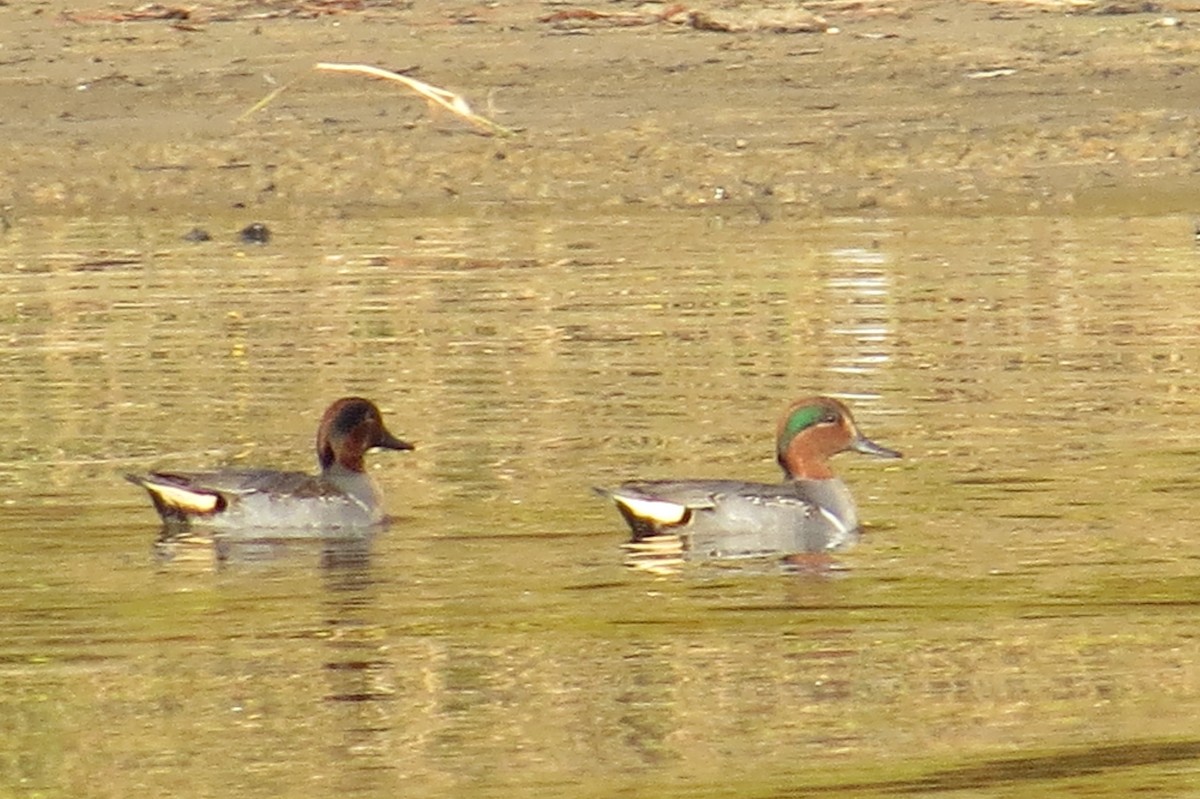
pixel 1019 620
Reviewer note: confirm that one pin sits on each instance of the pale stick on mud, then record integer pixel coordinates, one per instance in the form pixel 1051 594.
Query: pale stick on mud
pixel 452 102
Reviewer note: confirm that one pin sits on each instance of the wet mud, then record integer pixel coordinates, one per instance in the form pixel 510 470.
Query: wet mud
pixel 896 108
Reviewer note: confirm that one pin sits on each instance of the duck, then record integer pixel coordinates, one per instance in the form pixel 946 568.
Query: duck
pixel 811 512
pixel 341 496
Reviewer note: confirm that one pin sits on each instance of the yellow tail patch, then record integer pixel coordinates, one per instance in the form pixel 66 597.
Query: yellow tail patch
pixel 659 511
pixel 184 499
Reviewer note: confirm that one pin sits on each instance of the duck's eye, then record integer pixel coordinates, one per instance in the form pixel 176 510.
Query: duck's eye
pixel 829 417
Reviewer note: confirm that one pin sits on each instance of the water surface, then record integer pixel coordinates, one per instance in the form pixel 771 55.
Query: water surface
pixel 1019 619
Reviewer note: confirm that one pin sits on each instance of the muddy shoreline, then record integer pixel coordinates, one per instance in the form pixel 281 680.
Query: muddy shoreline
pixel 906 108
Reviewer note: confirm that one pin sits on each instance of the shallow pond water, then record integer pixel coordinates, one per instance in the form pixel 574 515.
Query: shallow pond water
pixel 1019 619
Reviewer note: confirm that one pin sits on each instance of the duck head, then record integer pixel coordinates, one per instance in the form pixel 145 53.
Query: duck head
pixel 350 427
pixel 814 429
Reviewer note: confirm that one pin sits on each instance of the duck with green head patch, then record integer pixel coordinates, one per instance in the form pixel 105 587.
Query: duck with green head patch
pixel 810 512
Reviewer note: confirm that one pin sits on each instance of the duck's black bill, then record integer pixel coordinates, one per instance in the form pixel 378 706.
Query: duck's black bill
pixel 868 447
pixel 388 441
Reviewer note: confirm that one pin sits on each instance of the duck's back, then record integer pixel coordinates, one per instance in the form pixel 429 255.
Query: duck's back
pixel 263 499
pixel 729 518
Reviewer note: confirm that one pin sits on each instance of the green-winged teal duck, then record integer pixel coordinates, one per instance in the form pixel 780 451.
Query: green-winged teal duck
pixel 810 512
pixel 342 496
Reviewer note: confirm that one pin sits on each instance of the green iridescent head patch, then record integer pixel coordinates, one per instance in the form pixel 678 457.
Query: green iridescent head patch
pixel 800 420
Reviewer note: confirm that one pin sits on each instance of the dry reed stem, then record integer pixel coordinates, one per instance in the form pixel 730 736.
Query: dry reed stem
pixel 452 102
pixel 261 104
